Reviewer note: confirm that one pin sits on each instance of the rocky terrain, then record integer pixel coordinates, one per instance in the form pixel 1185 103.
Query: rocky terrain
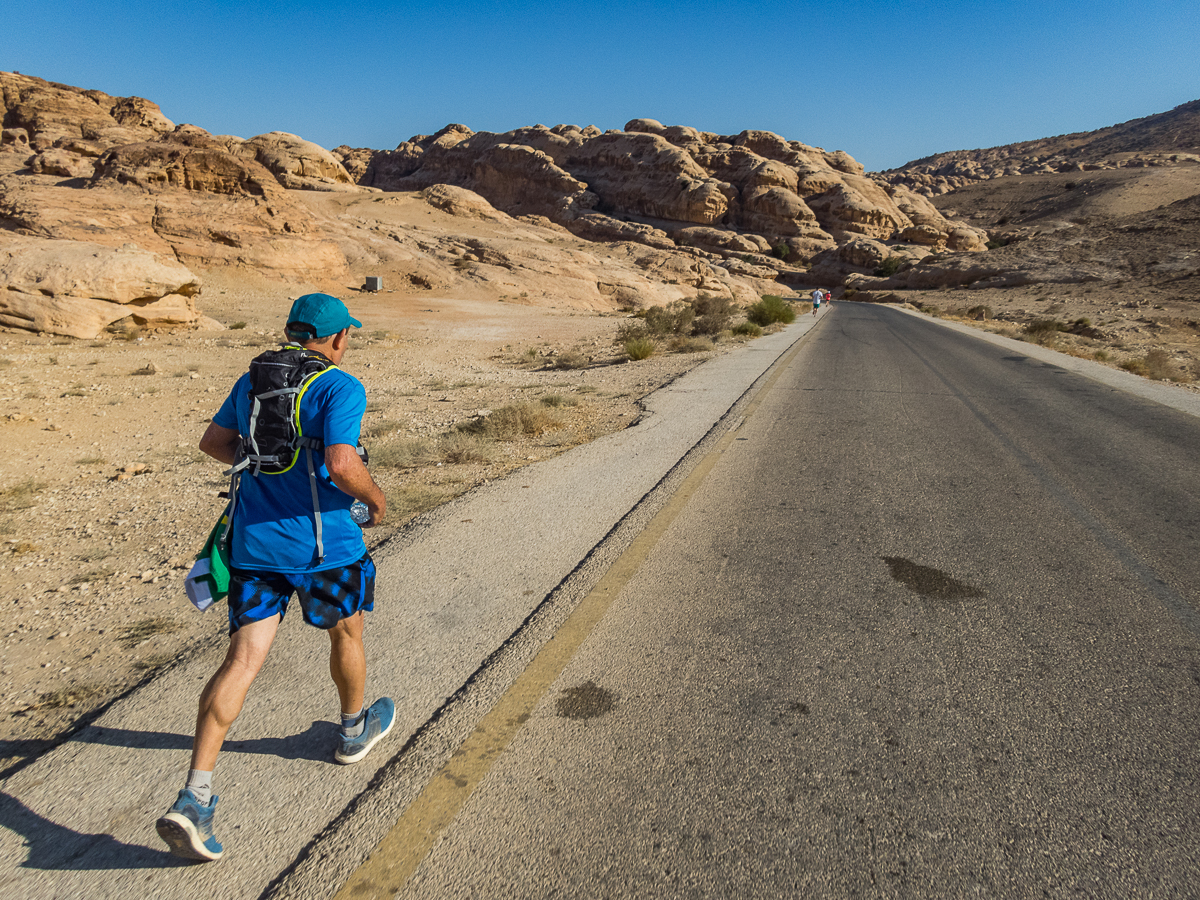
pixel 143 263
pixel 1166 139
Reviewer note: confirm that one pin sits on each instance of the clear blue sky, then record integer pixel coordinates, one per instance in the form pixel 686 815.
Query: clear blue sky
pixel 885 80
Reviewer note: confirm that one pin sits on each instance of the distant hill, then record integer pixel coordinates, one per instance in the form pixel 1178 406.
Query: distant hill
pixel 1163 139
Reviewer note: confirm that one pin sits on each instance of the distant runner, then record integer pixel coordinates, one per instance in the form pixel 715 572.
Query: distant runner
pixel 816 297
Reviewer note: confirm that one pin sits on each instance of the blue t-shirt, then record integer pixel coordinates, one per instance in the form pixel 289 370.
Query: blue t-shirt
pixel 274 528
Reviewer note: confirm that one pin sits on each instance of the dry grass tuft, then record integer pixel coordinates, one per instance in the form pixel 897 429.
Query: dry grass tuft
pixel 404 454
pixel 509 422
pixel 459 447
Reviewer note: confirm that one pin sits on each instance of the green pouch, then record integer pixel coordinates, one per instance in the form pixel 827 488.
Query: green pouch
pixel 208 580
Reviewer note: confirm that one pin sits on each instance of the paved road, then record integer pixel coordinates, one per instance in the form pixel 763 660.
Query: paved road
pixel 926 625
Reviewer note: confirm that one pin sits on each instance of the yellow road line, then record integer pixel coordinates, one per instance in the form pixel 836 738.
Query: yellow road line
pixel 402 849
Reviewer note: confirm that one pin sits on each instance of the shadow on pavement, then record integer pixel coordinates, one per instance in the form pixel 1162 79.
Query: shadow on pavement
pixel 316 743
pixel 55 847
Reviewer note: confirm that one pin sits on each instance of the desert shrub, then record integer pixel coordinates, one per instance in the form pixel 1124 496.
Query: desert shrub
pixel 1100 356
pixel 782 251
pixel 414 499
pixel 22 494
pixel 712 314
pixel 771 309
pixel 747 329
pixel 509 422
pixel 458 447
pixel 1136 366
pixel 697 344
pixel 674 318
pixel 1158 364
pixel 630 331
pixel 383 428
pixel 559 400
pixel 237 326
pixel 569 359
pixel 889 266
pixel 1044 326
pixel 1081 323
pixel 404 454
pixel 979 313
pixel 640 348
pixel 145 629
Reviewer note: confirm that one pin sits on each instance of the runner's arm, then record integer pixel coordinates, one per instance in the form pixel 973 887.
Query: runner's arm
pixel 221 443
pixel 348 473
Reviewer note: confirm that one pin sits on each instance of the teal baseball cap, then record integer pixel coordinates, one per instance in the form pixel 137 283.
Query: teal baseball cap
pixel 319 315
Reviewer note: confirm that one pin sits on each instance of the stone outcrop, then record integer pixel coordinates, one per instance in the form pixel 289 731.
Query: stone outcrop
pixel 77 288
pixel 652 183
pixel 460 202
pixel 296 163
pixel 50 113
pixel 111 171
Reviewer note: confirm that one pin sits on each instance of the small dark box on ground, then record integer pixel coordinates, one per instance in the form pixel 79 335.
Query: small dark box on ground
pixel 374 283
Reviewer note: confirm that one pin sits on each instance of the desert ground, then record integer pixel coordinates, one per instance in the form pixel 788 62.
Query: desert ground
pixel 106 497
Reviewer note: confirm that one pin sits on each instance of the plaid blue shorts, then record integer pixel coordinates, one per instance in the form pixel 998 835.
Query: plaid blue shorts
pixel 326 596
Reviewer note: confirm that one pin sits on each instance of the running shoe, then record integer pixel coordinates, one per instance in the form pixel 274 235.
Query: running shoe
pixel 380 716
pixel 188 828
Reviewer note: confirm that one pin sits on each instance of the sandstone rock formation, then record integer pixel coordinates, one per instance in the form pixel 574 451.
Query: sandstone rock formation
pixel 754 192
pixel 297 163
pixel 77 288
pixel 82 165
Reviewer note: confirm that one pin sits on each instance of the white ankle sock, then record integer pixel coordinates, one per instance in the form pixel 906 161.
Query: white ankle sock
pixel 200 784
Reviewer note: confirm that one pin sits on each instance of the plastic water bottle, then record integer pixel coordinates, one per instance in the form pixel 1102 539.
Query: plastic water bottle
pixel 359 513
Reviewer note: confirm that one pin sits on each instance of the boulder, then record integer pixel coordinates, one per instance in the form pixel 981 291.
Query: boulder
pixel 460 202
pixel 77 288
pixel 62 163
pixel 296 163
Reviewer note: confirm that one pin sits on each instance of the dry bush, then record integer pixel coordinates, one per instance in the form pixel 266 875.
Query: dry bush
pixel 459 447
pixel 509 422
pixel 569 359
pixel 690 345
pixel 21 495
pixel 1158 364
pixel 382 428
pixel 771 309
pixel 415 499
pixel 712 313
pixel 404 454
pixel 748 329
pixel 640 348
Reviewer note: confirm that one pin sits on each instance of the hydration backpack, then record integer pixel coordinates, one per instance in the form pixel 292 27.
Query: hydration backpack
pixel 276 440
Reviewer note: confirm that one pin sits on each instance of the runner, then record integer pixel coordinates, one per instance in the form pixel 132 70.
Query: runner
pixel 292 533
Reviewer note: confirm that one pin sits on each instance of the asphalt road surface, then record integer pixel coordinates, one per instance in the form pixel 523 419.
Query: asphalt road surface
pixel 924 625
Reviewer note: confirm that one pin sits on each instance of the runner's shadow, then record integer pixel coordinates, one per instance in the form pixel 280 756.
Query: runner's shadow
pixel 316 743
pixel 54 847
